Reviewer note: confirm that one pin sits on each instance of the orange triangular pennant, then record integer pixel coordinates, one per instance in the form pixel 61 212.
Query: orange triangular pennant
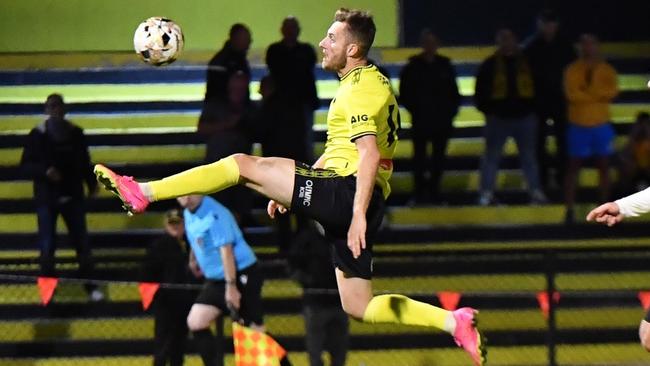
pixel 147 292
pixel 254 348
pixel 542 299
pixel 644 297
pixel 46 286
pixel 449 299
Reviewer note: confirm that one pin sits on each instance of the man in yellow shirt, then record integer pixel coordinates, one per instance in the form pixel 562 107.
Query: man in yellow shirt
pixel 590 85
pixel 345 190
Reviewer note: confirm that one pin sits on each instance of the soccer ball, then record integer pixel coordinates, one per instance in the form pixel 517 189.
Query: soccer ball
pixel 158 41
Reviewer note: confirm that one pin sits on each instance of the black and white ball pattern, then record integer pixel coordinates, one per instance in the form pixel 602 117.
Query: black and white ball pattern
pixel 158 41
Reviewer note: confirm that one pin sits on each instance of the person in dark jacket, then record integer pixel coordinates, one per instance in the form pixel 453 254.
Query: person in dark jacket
pixel 228 61
pixel 167 262
pixel 56 158
pixel 549 53
pixel 429 91
pixel 291 64
pixel 326 324
pixel 505 93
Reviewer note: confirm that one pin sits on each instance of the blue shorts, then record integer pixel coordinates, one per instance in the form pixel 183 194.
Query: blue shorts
pixel 585 142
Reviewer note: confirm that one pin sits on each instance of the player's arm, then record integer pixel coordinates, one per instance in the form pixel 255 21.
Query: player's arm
pixel 366 175
pixel 612 213
pixel 233 297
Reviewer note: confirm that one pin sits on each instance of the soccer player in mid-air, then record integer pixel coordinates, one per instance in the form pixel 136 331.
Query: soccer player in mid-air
pixel 344 190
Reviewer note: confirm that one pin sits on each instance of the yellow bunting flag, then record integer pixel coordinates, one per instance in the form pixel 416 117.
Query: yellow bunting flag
pixel 254 348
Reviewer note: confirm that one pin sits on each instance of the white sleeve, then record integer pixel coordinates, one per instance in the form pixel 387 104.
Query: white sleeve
pixel 635 204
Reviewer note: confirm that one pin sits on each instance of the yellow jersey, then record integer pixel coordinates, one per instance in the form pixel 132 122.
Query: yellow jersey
pixel 589 91
pixel 363 105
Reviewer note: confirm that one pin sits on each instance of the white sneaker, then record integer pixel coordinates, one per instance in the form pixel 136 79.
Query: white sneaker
pixel 537 197
pixel 486 198
pixel 96 296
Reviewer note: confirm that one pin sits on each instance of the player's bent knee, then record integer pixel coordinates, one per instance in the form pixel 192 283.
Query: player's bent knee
pixel 353 308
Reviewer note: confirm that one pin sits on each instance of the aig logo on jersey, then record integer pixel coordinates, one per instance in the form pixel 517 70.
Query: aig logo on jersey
pixel 305 192
pixel 359 118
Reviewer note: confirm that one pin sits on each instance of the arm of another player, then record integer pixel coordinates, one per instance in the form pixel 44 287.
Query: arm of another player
pixel 612 213
pixel 194 266
pixel 233 297
pixel 366 176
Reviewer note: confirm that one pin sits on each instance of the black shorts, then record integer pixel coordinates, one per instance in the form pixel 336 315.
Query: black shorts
pixel 328 198
pixel 249 284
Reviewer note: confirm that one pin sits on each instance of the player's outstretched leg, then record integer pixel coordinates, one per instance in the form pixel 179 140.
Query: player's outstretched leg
pixel 272 177
pixel 203 179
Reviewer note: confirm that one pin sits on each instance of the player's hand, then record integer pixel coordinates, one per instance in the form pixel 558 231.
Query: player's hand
pixel 357 235
pixel 195 269
pixel 274 206
pixel 233 296
pixel 608 213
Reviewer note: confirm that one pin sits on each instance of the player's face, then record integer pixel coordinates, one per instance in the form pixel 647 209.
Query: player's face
pixel 334 47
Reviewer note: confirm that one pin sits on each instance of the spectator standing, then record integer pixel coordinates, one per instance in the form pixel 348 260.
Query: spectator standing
pixel 505 94
pixel 634 170
pixel 56 158
pixel 228 61
pixel 429 91
pixel 549 54
pixel 229 126
pixel 283 134
pixel 590 85
pixel 326 323
pixel 291 64
pixel 221 255
pixel 167 262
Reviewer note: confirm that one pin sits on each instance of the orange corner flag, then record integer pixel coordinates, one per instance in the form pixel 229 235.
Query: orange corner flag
pixel 544 305
pixel 254 348
pixel 147 292
pixel 449 300
pixel 46 286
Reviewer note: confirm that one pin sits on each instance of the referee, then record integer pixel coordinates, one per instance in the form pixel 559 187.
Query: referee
pixel 220 254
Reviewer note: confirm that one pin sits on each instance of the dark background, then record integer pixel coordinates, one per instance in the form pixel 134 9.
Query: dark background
pixel 464 22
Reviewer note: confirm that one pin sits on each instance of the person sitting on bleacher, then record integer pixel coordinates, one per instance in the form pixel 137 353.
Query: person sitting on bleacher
pixel 634 168
pixel 56 157
pixel 590 86
pixel 505 94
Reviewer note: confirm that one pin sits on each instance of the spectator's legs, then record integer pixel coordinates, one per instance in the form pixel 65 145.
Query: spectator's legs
pixel 602 163
pixel 163 329
pixel 47 215
pixel 178 336
pixel 315 337
pixel 496 131
pixel 74 216
pixel 559 129
pixel 524 133
pixel 337 330
pixel 420 140
pixel 570 181
pixel 209 347
pixel 543 157
pixel 440 140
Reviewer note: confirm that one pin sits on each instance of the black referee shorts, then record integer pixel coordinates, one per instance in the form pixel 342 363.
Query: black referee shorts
pixel 249 284
pixel 328 198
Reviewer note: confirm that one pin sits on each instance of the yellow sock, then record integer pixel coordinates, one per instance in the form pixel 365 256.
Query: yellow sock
pixel 403 310
pixel 203 179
